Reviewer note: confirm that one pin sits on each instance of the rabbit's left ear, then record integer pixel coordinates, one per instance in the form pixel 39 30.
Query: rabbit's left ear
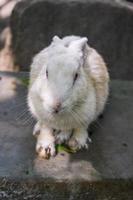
pixel 79 45
pixel 56 39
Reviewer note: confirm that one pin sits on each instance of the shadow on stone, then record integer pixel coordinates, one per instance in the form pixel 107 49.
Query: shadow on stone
pixel 16 141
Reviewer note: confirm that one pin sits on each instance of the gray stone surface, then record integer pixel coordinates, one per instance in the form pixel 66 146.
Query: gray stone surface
pixel 110 154
pixel 105 171
pixel 108 24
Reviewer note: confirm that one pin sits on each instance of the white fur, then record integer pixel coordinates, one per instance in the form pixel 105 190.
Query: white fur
pixel 63 136
pixel 36 130
pixel 81 103
pixel 45 142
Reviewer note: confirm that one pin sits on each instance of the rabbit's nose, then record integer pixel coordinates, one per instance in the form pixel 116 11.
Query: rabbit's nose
pixel 57 107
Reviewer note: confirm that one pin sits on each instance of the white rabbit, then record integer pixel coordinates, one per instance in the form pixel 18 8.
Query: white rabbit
pixel 68 90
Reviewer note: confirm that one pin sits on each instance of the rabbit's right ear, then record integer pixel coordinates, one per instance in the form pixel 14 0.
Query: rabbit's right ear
pixel 79 45
pixel 56 39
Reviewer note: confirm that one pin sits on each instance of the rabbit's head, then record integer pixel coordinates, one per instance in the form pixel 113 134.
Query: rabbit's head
pixel 62 80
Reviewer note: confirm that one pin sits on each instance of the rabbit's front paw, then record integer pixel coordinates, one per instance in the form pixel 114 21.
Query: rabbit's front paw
pixel 36 130
pixel 62 136
pixel 45 146
pixel 79 139
pixel 45 151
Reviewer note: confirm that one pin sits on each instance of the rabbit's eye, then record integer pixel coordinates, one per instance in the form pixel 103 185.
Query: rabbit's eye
pixel 75 78
pixel 46 73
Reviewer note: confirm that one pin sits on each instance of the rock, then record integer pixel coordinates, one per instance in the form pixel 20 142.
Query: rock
pixel 107 24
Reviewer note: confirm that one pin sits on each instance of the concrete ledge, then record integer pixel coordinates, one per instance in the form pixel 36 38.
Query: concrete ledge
pixel 42 189
pixel 105 171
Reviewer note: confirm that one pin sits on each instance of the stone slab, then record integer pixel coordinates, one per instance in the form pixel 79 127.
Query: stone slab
pixel 108 24
pixel 110 155
pixel 106 166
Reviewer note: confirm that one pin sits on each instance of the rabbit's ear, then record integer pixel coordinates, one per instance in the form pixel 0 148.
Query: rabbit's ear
pixel 79 45
pixel 56 39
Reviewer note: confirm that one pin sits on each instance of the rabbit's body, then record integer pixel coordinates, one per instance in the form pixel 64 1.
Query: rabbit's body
pixel 68 90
